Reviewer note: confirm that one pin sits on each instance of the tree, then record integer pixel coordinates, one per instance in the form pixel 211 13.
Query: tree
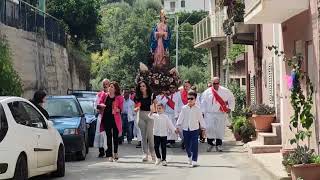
pixel 9 79
pixel 81 16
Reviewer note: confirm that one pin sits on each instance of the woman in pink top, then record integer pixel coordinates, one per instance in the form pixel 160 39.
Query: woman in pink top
pixel 112 104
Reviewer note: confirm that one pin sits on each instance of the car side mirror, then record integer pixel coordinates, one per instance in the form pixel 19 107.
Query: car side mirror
pixel 50 124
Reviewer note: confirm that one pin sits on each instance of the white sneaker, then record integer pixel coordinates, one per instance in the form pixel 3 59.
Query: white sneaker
pixel 145 158
pixel 164 163
pixel 158 161
pixel 194 164
pixel 189 161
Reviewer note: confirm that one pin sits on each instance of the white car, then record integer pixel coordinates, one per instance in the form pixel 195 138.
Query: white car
pixel 29 144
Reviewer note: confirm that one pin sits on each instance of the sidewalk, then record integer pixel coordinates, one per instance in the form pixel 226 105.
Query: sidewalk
pixel 272 163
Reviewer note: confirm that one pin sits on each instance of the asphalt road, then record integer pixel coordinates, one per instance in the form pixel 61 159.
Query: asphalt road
pixel 232 164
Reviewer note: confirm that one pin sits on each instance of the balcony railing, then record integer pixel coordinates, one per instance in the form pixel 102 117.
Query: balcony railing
pixel 209 27
pixel 21 15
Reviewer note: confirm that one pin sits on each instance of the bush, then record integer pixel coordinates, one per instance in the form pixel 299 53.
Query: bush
pixel 240 96
pixel 9 79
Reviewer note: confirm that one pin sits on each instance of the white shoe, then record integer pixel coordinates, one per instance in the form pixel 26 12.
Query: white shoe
pixel 189 161
pixel 194 164
pixel 145 158
pixel 164 163
pixel 110 159
pixel 158 161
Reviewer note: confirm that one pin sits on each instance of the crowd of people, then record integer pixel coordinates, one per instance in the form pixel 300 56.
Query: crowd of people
pixel 158 121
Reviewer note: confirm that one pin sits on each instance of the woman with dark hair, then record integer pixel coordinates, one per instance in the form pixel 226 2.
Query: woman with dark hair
pixel 111 104
pixel 38 100
pixel 144 99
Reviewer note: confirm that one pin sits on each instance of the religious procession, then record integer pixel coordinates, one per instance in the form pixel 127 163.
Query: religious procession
pixel 159 113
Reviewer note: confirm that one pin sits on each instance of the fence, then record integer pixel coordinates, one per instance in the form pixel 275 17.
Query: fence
pixel 21 15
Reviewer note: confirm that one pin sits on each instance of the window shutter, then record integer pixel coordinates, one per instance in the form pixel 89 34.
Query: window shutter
pixel 270 85
pixel 252 90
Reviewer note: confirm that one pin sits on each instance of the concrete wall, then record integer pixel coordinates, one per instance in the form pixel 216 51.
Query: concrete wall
pixel 40 63
pixel 300 36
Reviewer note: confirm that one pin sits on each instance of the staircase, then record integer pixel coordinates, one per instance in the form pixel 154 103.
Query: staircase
pixel 267 142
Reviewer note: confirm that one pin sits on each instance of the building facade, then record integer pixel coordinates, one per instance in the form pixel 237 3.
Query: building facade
pixel 173 6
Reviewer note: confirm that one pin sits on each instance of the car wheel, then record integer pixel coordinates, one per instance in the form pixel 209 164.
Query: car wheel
pixel 87 148
pixel 60 164
pixel 81 155
pixel 21 171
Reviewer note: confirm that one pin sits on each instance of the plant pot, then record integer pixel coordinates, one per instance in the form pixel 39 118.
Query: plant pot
pixel 305 171
pixel 237 136
pixel 262 123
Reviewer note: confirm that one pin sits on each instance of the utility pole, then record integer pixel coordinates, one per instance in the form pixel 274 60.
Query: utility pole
pixel 177 42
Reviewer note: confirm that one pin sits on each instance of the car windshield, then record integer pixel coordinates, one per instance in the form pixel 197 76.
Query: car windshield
pixel 87 106
pixel 62 108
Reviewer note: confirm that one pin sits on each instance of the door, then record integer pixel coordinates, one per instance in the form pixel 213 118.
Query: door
pixel 24 134
pixel 45 150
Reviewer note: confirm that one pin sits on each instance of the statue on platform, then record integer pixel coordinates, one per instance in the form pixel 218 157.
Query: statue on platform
pixel 158 73
pixel 160 42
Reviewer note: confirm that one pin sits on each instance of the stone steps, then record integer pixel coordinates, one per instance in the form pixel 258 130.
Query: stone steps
pixel 267 142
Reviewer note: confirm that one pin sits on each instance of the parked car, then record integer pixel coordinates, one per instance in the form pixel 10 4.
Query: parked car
pixel 88 106
pixel 29 143
pixel 69 119
pixel 82 93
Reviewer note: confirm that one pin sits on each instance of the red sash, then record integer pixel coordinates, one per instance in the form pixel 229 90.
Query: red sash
pixel 170 102
pixel 223 105
pixel 184 96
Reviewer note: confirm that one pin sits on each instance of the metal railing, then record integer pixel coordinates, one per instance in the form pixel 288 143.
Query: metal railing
pixel 21 15
pixel 208 27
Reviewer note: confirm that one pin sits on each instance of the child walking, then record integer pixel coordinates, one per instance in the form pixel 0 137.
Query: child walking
pixel 189 120
pixel 160 131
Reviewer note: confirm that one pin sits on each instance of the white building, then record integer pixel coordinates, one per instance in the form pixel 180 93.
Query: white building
pixel 186 5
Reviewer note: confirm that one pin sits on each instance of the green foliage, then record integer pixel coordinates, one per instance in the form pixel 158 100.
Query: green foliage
pixel 300 101
pixel 9 79
pixel 81 16
pixel 262 109
pixel 196 75
pixel 125 32
pixel 301 155
pixel 240 96
pixel 235 51
pixel 148 4
pixel 243 127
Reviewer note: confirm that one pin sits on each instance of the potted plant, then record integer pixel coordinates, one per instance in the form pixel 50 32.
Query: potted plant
pixel 302 161
pixel 242 129
pixel 262 115
pixel 237 123
pixel 247 131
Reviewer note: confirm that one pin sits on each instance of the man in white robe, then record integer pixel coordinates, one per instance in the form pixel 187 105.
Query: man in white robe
pixel 217 102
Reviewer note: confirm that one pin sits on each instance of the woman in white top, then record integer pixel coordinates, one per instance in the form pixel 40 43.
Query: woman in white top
pixel 160 132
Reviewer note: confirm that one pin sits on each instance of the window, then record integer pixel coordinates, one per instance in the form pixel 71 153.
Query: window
pixel 3 124
pixel 88 106
pixel 62 108
pixel 183 4
pixel 24 114
pixel 172 6
pixel 243 81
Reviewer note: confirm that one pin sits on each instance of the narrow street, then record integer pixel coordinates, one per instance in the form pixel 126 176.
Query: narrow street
pixel 232 164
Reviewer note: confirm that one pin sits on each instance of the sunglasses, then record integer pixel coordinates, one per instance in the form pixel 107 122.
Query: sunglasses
pixel 215 83
pixel 191 99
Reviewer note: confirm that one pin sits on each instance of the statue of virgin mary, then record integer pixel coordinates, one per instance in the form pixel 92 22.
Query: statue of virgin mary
pixel 160 42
